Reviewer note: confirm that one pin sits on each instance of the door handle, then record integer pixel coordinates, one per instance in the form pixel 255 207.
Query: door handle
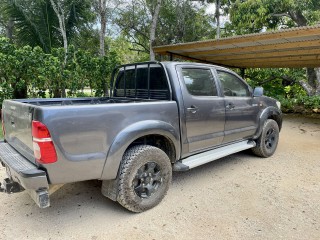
pixel 192 109
pixel 230 106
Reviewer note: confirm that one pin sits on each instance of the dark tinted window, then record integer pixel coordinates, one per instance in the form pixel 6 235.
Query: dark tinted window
pixel 232 85
pixel 199 82
pixel 136 83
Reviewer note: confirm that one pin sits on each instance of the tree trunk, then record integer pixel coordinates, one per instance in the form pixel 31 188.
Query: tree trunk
pixel 155 17
pixel 298 18
pixel 317 81
pixel 56 93
pixel 306 87
pixel 311 76
pixel 103 25
pixel 58 9
pixel 9 29
pixel 101 8
pixel 102 35
pixel 217 17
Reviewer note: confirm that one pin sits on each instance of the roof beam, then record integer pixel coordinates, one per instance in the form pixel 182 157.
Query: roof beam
pixel 289 53
pixel 282 34
pixel 273 59
pixel 260 48
pixel 275 62
pixel 290 64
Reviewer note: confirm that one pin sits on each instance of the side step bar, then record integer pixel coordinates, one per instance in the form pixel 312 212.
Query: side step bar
pixel 209 156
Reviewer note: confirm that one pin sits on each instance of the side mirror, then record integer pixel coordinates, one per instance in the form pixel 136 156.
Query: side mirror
pixel 258 92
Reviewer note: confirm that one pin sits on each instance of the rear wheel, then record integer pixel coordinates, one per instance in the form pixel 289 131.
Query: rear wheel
pixel 268 141
pixel 144 179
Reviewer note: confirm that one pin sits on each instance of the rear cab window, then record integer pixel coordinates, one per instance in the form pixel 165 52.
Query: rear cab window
pixel 133 83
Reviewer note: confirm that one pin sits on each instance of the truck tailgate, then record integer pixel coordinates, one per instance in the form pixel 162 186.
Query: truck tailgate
pixel 17 117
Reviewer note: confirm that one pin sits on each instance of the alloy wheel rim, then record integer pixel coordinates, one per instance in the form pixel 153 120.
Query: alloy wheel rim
pixel 270 138
pixel 147 180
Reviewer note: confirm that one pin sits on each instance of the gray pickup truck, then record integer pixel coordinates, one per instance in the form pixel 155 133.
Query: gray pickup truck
pixel 160 117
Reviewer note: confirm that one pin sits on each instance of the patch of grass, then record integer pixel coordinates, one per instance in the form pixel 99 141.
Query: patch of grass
pixel 1 134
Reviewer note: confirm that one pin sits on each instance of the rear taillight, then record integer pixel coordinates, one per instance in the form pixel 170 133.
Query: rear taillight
pixel 3 130
pixel 44 151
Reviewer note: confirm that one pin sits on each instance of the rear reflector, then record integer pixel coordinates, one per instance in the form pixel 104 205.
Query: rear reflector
pixel 43 147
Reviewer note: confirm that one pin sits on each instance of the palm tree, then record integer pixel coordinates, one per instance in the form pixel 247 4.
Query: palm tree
pixel 36 23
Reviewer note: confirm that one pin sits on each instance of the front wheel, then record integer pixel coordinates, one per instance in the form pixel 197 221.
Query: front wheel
pixel 144 178
pixel 268 141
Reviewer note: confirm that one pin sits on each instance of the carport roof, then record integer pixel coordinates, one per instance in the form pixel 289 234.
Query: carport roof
pixel 292 48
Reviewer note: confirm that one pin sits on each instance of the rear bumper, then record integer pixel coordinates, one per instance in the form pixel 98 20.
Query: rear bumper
pixel 23 175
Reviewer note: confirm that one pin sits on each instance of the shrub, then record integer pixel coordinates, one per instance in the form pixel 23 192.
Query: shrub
pixel 300 104
pixel 29 72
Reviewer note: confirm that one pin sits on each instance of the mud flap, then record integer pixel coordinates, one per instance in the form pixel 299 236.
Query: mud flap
pixel 109 189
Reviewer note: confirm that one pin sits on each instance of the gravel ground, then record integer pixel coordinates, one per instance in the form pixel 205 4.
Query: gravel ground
pixel 237 197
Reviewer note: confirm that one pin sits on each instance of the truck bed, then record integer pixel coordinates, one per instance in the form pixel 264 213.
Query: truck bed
pixel 82 129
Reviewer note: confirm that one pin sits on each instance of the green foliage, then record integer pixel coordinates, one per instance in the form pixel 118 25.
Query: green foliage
pixel 282 84
pixel 251 16
pixel 277 82
pixel 30 72
pixel 6 91
pixel 179 21
pixel 309 102
pixel 37 24
pixel 122 47
pixel 300 104
pixel 254 15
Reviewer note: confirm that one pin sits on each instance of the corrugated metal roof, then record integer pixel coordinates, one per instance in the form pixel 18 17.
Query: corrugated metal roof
pixel 294 47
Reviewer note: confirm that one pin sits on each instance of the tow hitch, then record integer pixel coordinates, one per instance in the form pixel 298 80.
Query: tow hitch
pixel 9 186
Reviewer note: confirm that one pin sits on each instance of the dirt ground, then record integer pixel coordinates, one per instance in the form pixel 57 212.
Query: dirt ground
pixel 237 197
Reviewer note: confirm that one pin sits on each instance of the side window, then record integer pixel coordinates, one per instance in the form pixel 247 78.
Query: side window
pixel 199 82
pixel 232 85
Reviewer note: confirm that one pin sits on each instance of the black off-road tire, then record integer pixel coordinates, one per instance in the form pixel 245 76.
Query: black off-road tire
pixel 268 141
pixel 137 162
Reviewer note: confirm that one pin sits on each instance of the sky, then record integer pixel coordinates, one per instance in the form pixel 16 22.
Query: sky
pixel 210 8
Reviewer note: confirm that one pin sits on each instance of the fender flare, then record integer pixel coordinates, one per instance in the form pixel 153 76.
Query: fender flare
pixel 131 133
pixel 269 112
